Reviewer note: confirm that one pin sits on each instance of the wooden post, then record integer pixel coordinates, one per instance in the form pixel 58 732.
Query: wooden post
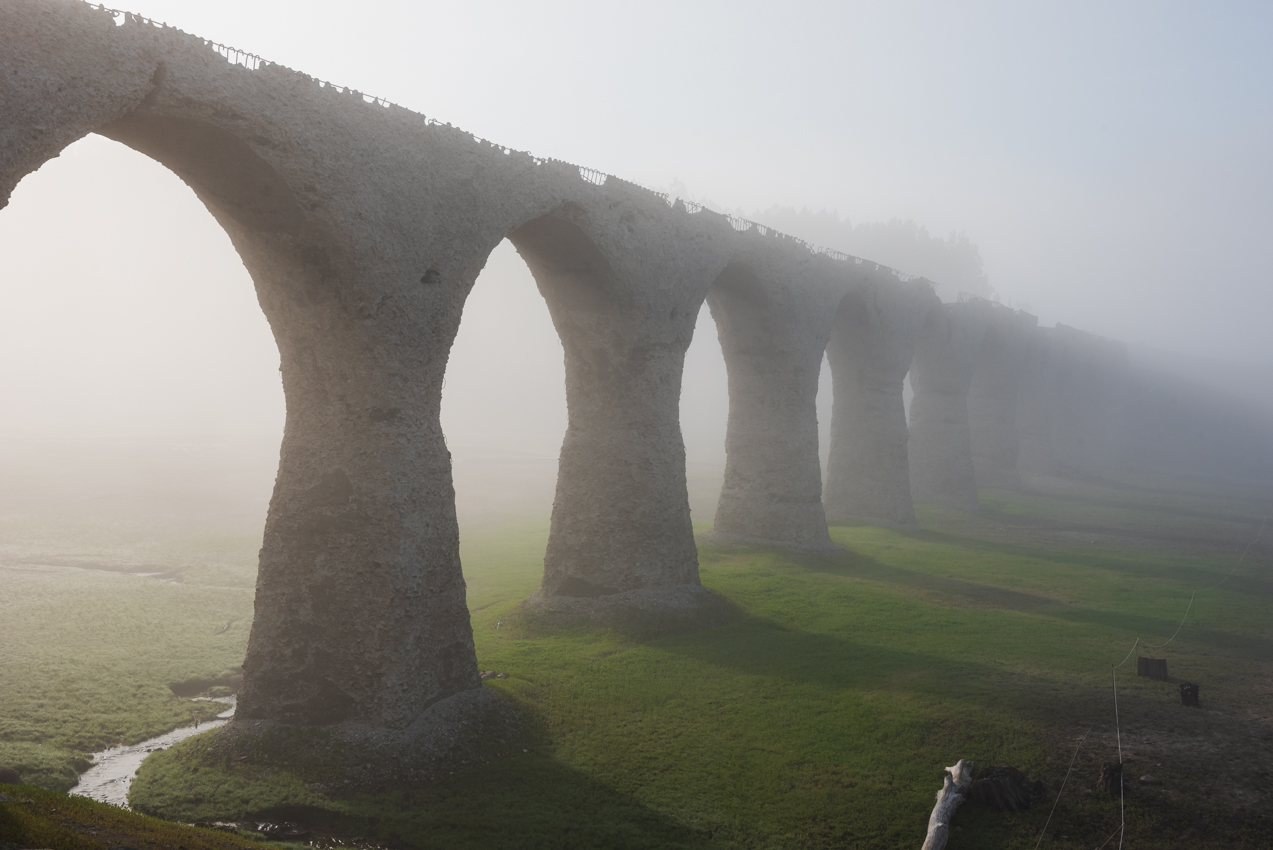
pixel 1112 778
pixel 953 791
pixel 1154 668
pixel 1189 694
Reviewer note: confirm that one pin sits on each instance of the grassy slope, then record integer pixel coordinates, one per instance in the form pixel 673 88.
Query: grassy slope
pixel 822 718
pixel 34 817
pixel 87 658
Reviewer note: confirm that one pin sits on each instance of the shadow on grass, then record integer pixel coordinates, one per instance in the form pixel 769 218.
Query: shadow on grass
pixel 944 590
pixel 516 799
pixel 960 593
pixel 1189 576
pixel 530 801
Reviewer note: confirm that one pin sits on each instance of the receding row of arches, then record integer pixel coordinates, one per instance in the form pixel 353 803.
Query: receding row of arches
pixel 150 328
pixel 363 508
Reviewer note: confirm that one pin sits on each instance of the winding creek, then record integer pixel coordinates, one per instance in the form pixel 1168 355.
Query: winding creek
pixel 113 770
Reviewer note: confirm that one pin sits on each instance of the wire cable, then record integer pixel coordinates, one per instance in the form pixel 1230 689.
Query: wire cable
pixel 1194 595
pixel 1062 791
pixel 1118 733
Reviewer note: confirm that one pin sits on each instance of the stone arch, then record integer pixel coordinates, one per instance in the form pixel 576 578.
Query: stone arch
pixel 941 443
pixel 621 541
pixel 992 397
pixel 360 604
pixel 772 308
pixel 876 329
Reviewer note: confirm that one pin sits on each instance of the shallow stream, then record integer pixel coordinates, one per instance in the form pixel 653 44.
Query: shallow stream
pixel 113 770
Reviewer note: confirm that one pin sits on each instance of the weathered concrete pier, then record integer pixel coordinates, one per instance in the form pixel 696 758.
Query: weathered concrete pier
pixel 870 351
pixel 364 225
pixel 941 442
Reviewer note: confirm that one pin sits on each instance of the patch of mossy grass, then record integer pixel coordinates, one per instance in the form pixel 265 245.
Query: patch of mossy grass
pixel 824 714
pixel 38 817
pixel 89 659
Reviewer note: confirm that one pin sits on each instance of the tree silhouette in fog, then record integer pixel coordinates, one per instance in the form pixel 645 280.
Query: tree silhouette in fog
pixel 953 263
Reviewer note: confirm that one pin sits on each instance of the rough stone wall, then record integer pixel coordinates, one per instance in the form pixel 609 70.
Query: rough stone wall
pixel 873 341
pixel 941 445
pixel 773 309
pixel 992 397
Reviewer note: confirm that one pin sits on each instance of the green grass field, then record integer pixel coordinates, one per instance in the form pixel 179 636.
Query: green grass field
pixel 822 717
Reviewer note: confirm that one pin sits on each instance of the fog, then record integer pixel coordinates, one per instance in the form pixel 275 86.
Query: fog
pixel 1109 164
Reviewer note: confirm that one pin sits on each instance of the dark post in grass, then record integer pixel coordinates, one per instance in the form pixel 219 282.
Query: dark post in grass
pixel 1189 694
pixel 1112 778
pixel 1154 668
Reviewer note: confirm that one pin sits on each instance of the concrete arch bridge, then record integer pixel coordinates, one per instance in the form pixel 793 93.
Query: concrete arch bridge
pixel 363 226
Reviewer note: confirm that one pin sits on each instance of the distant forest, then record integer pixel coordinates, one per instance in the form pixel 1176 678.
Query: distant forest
pixel 953 263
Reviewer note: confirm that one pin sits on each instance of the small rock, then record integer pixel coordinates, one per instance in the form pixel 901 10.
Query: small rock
pixel 1149 779
pixel 9 776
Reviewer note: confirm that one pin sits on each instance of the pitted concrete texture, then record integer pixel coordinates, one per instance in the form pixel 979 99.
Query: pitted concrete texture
pixel 992 397
pixel 773 314
pixel 941 446
pixel 363 227
pixel 870 351
pixel 624 282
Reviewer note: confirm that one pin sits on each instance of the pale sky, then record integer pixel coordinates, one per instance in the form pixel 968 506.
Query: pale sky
pixel 1111 161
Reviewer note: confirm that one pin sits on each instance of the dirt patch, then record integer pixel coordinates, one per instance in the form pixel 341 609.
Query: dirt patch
pixel 1207 771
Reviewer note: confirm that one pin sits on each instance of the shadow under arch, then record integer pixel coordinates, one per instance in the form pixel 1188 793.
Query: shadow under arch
pixel 240 188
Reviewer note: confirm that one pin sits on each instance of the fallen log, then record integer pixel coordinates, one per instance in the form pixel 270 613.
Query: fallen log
pixel 953 792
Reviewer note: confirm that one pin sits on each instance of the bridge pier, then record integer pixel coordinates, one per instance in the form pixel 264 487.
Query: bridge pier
pixel 992 397
pixel 1034 405
pixel 941 445
pixel 870 351
pixel 773 316
pixel 1086 395
pixel 624 300
pixel 361 625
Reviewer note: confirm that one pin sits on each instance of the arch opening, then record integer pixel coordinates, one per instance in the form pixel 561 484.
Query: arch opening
pixel 504 404
pixel 139 365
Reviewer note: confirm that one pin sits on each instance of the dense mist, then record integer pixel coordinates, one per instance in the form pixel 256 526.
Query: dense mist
pixel 1102 167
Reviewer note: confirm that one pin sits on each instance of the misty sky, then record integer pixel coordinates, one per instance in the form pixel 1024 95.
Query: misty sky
pixel 1111 161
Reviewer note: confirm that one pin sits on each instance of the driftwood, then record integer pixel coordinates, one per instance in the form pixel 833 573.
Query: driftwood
pixel 1154 668
pixel 953 792
pixel 1189 694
